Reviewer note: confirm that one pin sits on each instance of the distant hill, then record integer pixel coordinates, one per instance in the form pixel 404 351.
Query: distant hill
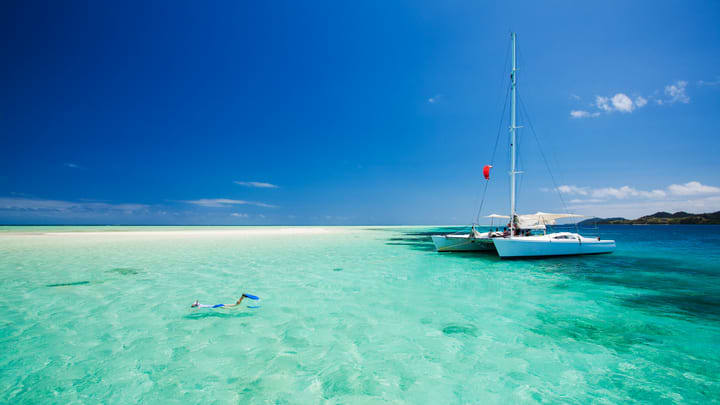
pixel 660 218
pixel 596 220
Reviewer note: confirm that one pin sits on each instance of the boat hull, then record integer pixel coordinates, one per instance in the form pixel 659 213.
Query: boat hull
pixel 546 246
pixel 461 243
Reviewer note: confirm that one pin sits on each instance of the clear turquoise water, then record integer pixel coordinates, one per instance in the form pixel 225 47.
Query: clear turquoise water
pixel 355 316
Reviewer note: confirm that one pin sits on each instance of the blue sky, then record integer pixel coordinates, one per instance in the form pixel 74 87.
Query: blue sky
pixel 352 112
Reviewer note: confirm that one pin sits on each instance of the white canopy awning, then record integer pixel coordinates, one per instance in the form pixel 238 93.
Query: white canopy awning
pixel 540 219
pixel 497 216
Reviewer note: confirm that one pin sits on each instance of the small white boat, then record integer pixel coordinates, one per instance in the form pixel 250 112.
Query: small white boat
pixel 467 242
pixel 552 244
pixel 464 242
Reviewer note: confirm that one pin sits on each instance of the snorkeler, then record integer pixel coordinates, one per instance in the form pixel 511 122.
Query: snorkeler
pixel 197 303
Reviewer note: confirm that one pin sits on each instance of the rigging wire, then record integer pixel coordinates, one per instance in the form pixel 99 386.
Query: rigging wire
pixel 552 154
pixel 492 159
pixel 518 149
pixel 542 153
pixel 520 167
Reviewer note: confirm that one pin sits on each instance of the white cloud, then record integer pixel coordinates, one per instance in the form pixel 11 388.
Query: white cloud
pixel 606 201
pixel 603 103
pixel 435 99
pixel 587 200
pixel 708 83
pixel 619 102
pixel 676 92
pixel 672 198
pixel 575 97
pixel 638 208
pixel 626 192
pixel 583 114
pixel 23 210
pixel 72 166
pixel 33 204
pixel 256 184
pixel 622 103
pixel 225 202
pixel 692 188
pixel 565 189
pixel 610 192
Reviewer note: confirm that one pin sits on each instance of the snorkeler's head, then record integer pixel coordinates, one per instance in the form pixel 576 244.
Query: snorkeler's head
pixel 195 304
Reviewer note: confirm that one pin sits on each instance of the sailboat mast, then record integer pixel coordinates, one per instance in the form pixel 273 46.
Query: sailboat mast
pixel 513 131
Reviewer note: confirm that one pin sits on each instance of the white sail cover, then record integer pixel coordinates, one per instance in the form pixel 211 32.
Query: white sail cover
pixel 497 216
pixel 540 219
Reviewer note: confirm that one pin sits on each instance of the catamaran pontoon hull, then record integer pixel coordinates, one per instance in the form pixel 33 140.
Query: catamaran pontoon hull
pixel 551 245
pixel 462 243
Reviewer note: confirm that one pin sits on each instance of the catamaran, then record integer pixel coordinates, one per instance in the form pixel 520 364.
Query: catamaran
pixel 468 242
pixel 522 237
pixel 464 242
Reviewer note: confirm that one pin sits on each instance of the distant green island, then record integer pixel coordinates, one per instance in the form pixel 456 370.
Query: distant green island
pixel 660 218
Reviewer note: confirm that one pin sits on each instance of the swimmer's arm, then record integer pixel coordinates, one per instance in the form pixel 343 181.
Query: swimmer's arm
pixel 235 304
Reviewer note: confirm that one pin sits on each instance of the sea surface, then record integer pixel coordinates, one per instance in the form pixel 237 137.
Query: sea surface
pixel 353 315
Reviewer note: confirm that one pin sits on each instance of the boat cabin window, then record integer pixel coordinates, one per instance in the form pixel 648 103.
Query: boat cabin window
pixel 564 237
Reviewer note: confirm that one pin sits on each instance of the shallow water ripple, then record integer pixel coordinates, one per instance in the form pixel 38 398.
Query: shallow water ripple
pixel 355 315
